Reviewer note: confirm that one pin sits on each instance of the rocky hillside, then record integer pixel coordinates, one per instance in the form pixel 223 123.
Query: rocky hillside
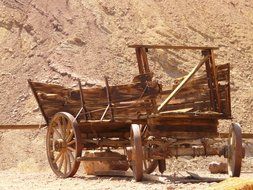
pixel 60 41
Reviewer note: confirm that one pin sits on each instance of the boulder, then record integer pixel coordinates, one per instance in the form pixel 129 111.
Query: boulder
pixel 218 167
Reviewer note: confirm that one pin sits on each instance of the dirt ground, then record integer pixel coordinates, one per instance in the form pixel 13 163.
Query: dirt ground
pixel 59 41
pixel 48 181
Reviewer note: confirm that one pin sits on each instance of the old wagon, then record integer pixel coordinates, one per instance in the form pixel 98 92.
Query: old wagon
pixel 148 121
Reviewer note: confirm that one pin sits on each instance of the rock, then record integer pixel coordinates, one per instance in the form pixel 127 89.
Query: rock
pixel 90 167
pixel 218 167
pixel 36 109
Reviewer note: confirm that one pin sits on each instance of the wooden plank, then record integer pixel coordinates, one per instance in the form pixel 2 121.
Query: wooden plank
pixel 107 134
pixel 118 93
pixel 51 88
pixel 183 128
pixel 222 67
pixel 172 47
pixel 38 101
pixel 208 114
pixel 184 135
pixel 34 126
pixel 187 78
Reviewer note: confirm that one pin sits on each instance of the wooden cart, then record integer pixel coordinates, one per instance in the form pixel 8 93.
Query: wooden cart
pixel 151 123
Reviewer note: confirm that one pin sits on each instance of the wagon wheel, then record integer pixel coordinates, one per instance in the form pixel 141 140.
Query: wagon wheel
pixel 63 145
pixel 235 150
pixel 137 154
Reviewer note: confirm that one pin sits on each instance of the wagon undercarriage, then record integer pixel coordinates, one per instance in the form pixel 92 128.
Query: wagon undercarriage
pixel 149 123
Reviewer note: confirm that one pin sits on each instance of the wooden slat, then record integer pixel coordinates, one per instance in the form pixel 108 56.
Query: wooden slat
pixel 179 87
pixel 185 135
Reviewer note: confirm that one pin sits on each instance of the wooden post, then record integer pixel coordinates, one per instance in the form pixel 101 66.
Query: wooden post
pixel 38 101
pixel 139 60
pixel 214 72
pixel 108 92
pixel 82 100
pixel 209 80
pixel 181 85
pixel 144 59
pixel 228 92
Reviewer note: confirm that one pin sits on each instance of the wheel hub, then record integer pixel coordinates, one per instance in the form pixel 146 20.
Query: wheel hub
pixel 59 144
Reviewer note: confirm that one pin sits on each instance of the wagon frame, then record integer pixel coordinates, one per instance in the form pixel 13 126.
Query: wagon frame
pixel 148 122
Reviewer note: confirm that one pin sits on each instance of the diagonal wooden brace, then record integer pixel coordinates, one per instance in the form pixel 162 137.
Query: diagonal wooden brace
pixel 181 85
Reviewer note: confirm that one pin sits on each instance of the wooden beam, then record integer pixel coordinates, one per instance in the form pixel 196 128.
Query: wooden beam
pixel 181 85
pixel 4 127
pixel 38 100
pixel 172 47
pixel 86 158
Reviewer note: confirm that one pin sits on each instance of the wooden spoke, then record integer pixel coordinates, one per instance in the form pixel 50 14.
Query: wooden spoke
pixel 65 164
pixel 64 145
pixel 61 162
pixel 71 149
pixel 61 127
pixel 57 132
pixel 57 157
pixel 68 162
pixel 71 135
pixel 71 142
pixel 71 156
pixel 68 129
